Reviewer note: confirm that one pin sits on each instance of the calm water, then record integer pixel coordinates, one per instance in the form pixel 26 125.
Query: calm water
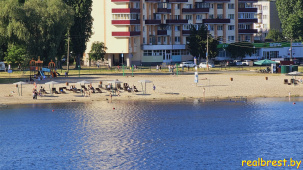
pixel 150 135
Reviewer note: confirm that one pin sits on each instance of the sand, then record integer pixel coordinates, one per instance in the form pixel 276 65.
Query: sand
pixel 217 85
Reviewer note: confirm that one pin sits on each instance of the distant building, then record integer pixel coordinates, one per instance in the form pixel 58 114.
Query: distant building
pixel 152 32
pixel 268 18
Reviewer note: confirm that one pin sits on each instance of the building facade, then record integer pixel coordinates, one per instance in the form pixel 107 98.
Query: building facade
pixel 152 32
pixel 268 18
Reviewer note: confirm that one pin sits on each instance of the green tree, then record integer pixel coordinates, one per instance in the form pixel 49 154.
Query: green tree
pixel 37 24
pixel 275 35
pixel 197 43
pixel 98 50
pixel 15 54
pixel 291 16
pixel 81 31
pixel 240 49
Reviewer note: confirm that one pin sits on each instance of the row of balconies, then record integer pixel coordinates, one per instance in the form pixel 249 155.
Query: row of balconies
pixel 177 1
pixel 180 21
pixel 166 10
pixel 164 33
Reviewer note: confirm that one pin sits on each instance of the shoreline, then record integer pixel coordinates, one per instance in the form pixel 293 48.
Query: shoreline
pixel 218 86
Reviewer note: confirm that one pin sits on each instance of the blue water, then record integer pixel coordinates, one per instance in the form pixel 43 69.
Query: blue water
pixel 150 135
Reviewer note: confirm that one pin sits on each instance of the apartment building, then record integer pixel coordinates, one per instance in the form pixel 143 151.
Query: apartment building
pixel 268 18
pixel 152 32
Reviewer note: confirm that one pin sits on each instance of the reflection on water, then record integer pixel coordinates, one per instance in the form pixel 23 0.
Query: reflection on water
pixel 149 135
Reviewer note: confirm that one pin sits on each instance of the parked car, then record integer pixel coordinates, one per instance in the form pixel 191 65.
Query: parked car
pixel 204 65
pixel 187 64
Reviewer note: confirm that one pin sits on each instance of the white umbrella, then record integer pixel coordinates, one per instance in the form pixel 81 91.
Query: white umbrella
pixel 84 82
pixel 115 82
pixel 144 81
pixel 294 73
pixel 51 83
pixel 20 83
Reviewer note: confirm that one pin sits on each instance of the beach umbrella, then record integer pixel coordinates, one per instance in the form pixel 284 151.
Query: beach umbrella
pixel 144 81
pixel 20 84
pixel 115 82
pixel 51 83
pixel 265 62
pixel 294 73
pixel 83 82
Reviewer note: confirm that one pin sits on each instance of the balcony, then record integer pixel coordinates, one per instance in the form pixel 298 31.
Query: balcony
pixel 248 31
pixel 176 21
pixel 186 32
pixel 164 10
pixel 125 1
pixel 247 9
pixel 216 21
pixel 162 32
pixel 152 22
pixel 248 1
pixel 176 1
pixel 195 10
pixel 155 1
pixel 125 10
pixel 216 0
pixel 126 34
pixel 253 20
pixel 126 22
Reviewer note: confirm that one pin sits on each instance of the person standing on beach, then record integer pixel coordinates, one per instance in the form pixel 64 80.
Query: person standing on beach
pixel 154 87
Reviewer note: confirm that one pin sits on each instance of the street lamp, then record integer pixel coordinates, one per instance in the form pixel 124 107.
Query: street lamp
pixel 290 57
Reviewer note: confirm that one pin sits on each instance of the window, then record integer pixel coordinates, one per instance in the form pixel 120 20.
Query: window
pixel 143 17
pixel 247 38
pixel 265 26
pixel 220 6
pixel 265 7
pixel 211 27
pixel 143 28
pixel 189 6
pixel 143 40
pixel 178 6
pixel 231 16
pixel 212 6
pixel 150 40
pixel 189 17
pixel 198 17
pixel 219 27
pixel 220 16
pixel 137 5
pixel 176 52
pixel 202 5
pixel 231 38
pixel 157 52
pixel 164 39
pixel 177 17
pixel 147 53
pixel 211 16
pixel 231 27
pixel 159 39
pixel 143 6
pixel 177 28
pixel 231 6
pixel 177 39
pixel 264 16
pixel 164 17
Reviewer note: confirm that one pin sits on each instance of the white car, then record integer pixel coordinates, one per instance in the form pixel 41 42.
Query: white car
pixel 187 64
pixel 204 65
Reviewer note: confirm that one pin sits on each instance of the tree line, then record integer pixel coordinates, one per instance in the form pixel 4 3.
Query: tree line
pixel 32 28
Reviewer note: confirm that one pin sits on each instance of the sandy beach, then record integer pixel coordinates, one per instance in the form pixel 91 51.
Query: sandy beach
pixel 217 85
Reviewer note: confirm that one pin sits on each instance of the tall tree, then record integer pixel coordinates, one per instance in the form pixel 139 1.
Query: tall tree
pixel 81 31
pixel 240 49
pixel 275 35
pixel 197 43
pixel 291 16
pixel 98 50
pixel 15 54
pixel 37 24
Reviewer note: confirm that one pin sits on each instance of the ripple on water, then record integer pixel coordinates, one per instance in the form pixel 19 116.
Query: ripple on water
pixel 149 135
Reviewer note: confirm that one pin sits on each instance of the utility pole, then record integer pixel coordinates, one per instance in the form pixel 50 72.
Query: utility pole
pixel 290 49
pixel 207 50
pixel 67 58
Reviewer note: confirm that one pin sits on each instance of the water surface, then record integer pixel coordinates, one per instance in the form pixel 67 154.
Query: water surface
pixel 149 135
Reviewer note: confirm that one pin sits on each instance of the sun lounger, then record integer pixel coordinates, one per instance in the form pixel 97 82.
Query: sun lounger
pixel 98 90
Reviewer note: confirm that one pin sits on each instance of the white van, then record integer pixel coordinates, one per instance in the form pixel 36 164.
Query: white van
pixel 2 66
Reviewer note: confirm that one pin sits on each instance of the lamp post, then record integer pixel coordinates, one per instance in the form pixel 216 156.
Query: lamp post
pixel 290 58
pixel 79 69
